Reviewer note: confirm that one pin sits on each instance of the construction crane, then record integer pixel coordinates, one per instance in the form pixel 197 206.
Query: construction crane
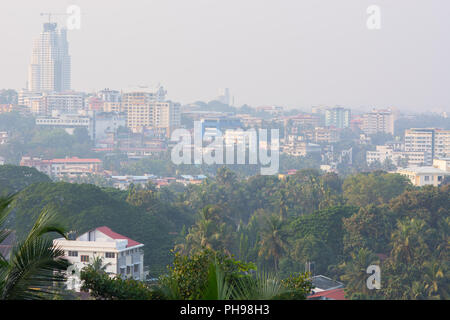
pixel 50 14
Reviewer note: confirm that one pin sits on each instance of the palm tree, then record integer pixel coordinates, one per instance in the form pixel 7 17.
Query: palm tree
pixel 407 239
pixel 434 278
pixel 272 243
pixel 35 265
pixel 355 274
pixel 98 265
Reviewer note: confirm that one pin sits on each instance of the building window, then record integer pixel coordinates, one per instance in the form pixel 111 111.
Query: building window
pixel 427 178
pixel 136 268
pixel 110 255
pixel 128 269
pixel 73 253
pixel 122 270
pixel 84 258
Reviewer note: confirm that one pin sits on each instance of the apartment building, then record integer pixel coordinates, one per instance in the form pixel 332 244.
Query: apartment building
pixel 147 110
pixel 113 107
pixel 388 152
pixel 67 167
pixel 121 255
pixel 422 176
pixel 326 135
pixel 378 121
pixel 67 121
pixel 301 149
pixel 166 116
pixel 435 142
pixel 45 103
pixel 441 143
pixel 50 67
pixel 338 117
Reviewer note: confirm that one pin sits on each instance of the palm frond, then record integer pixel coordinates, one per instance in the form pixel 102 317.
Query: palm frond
pixel 35 264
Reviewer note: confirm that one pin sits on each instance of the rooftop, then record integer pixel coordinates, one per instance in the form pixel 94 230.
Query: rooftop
pixel 423 170
pixel 334 294
pixel 116 236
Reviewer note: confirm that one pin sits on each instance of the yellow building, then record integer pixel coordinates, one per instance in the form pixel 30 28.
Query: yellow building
pixel 422 176
pixel 146 112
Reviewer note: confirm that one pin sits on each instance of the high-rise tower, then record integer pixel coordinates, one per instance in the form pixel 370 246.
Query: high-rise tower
pixel 50 68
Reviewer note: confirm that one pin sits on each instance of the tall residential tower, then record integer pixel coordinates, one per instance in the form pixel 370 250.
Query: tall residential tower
pixel 50 68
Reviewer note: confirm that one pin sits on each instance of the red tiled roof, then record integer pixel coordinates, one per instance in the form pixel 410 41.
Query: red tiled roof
pixel 115 235
pixel 335 294
pixel 73 160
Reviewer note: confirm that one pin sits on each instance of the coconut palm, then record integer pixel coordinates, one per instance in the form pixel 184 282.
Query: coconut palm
pixel 272 243
pixel 35 266
pixel 355 275
pixel 98 265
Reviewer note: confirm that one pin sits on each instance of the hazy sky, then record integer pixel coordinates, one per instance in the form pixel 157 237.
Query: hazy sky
pixel 295 53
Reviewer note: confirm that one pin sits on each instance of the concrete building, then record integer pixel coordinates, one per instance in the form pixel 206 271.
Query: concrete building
pixel 108 95
pixel 272 110
pixel 106 124
pixel 326 135
pixel 338 117
pixel 50 67
pixel 378 121
pixel 67 167
pixel 146 110
pixel 69 122
pixel 113 107
pixel 442 164
pixel 224 96
pixel 121 255
pixel 301 149
pixel 3 137
pixel 435 142
pixel 387 152
pixel 422 176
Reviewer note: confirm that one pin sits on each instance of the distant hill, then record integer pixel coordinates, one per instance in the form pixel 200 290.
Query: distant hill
pixel 15 178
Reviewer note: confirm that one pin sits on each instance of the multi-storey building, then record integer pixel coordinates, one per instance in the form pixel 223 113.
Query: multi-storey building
pixel 398 157
pixel 108 95
pixel 422 176
pixel 326 135
pixel 146 111
pixel 121 255
pixel 378 121
pixel 50 68
pixel 441 143
pixel 68 121
pixel 113 107
pixel 301 148
pixel 338 117
pixel 46 103
pixel 443 164
pixel 435 142
pixel 67 167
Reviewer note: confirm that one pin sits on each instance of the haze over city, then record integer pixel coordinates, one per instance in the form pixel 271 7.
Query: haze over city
pixel 289 53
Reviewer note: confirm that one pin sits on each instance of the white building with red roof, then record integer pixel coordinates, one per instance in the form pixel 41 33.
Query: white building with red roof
pixel 69 167
pixel 121 255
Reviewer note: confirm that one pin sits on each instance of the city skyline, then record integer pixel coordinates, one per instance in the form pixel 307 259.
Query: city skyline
pixel 299 56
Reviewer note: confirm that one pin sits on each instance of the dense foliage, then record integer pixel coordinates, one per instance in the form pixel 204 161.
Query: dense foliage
pixel 338 225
